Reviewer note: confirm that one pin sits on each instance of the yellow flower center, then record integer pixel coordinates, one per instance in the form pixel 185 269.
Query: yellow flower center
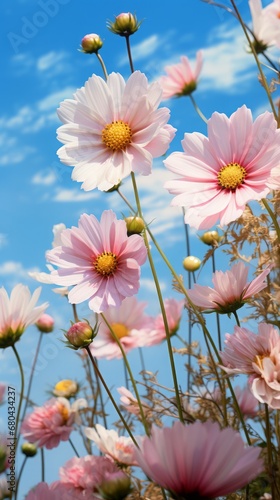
pixel 231 176
pixel 117 135
pixel 120 330
pixel 65 386
pixel 64 413
pixel 106 263
pixel 259 360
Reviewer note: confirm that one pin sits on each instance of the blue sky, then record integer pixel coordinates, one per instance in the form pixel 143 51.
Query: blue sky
pixel 42 66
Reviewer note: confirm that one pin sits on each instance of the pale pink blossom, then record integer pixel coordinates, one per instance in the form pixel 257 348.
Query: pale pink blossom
pixel 113 128
pixel 130 325
pixel 257 355
pixel 247 402
pixel 45 323
pixel 173 309
pixel 221 173
pixel 129 401
pixel 100 260
pixel 231 289
pixel 17 312
pixel 181 79
pixel 199 459
pixel 119 448
pixel 44 491
pixel 51 423
pixel 266 23
pixel 82 476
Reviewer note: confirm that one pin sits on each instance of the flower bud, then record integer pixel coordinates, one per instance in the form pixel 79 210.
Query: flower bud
pixel 29 449
pixel 91 43
pixel 125 24
pixel 66 388
pixel 80 335
pixel 191 263
pixel 135 225
pixel 116 486
pixel 211 238
pixel 45 323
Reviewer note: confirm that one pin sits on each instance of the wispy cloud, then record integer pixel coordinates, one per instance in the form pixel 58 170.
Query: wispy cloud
pixel 53 63
pixel 44 178
pixel 73 195
pixel 15 270
pixel 143 49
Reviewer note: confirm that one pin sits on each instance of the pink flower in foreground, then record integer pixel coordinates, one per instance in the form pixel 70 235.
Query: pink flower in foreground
pixel 181 79
pixel 173 310
pixel 100 260
pixel 54 491
pixel 198 460
pixel 17 312
pixel 248 404
pixel 120 448
pixel 257 356
pixel 221 173
pixel 82 476
pixel 231 289
pixel 51 423
pixel 112 128
pixel 266 25
pixel 129 324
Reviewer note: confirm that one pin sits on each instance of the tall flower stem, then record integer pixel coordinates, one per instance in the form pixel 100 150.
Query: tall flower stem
pixel 129 53
pixel 19 476
pixel 110 395
pixel 157 285
pixel 31 375
pixel 42 464
pixel 21 393
pixel 273 218
pixel 269 451
pixel 129 372
pixel 73 447
pixel 197 109
pixel 102 65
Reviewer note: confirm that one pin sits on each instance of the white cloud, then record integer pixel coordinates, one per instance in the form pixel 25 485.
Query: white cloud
pixel 44 178
pixel 14 157
pixel 53 63
pixel 16 270
pixel 73 195
pixel 51 101
pixel 143 49
pixel 3 240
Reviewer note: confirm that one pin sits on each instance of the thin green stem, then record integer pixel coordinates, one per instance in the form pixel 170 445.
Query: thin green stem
pixel 129 53
pixel 19 476
pixel 157 285
pixel 73 447
pixel 197 109
pixel 236 318
pixel 21 393
pixel 264 82
pixel 269 450
pixel 110 395
pixel 102 65
pixel 75 314
pixel 129 372
pixel 42 464
pixel 273 218
pixel 31 375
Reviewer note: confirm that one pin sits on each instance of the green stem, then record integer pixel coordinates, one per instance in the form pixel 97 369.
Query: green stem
pixel 19 476
pixel 73 447
pixel 273 218
pixel 75 314
pixel 21 392
pixel 129 372
pixel 269 450
pixel 197 109
pixel 264 82
pixel 236 318
pixel 31 375
pixel 129 53
pixel 42 465
pixel 110 395
pixel 157 285
pixel 102 65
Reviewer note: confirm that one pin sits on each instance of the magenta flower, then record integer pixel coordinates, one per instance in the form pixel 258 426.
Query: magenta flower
pixel 100 260
pixel 82 476
pixel 130 325
pixel 180 79
pixel 231 289
pixel 257 356
pixel 17 312
pixel 119 448
pixel 221 173
pixel 51 423
pixel 194 461
pixel 112 128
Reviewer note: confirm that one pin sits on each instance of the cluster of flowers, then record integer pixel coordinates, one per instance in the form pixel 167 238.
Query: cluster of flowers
pixel 111 129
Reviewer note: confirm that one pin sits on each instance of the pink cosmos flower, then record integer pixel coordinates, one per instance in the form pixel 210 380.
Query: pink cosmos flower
pixel 112 128
pixel 17 312
pixel 257 356
pixel 119 448
pixel 221 173
pixel 51 423
pixel 195 460
pixel 129 324
pixel 231 289
pixel 44 491
pixel 266 25
pixel 100 260
pixel 181 79
pixel 173 310
pixel 82 476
